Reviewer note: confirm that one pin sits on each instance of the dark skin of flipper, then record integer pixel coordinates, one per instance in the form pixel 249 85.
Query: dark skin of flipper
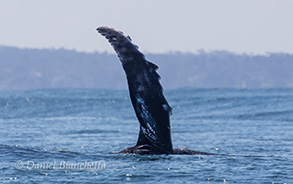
pixel 146 93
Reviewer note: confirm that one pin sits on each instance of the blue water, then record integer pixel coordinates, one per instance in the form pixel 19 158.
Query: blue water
pixel 43 130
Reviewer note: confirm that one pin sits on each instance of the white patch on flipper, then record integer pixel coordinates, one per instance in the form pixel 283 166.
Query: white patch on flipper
pixel 146 132
pixel 165 107
pixel 150 128
pixel 140 88
pixel 146 118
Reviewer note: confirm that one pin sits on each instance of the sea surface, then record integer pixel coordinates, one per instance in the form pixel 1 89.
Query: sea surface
pixel 73 136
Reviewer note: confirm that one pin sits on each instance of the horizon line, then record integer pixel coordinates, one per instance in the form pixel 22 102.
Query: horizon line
pixel 197 52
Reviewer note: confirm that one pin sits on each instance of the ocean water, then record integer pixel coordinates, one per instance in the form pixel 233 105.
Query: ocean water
pixel 73 136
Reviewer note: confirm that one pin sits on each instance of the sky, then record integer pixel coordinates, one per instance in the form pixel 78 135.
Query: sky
pixel 156 26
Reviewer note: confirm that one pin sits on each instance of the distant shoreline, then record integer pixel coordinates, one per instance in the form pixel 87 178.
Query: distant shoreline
pixel 25 69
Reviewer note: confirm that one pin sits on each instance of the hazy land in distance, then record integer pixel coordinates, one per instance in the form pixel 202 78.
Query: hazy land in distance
pixel 25 69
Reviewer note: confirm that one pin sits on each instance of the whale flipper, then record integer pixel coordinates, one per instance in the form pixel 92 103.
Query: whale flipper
pixel 146 93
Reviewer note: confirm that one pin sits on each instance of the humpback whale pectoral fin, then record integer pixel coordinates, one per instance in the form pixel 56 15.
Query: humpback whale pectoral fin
pixel 146 94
